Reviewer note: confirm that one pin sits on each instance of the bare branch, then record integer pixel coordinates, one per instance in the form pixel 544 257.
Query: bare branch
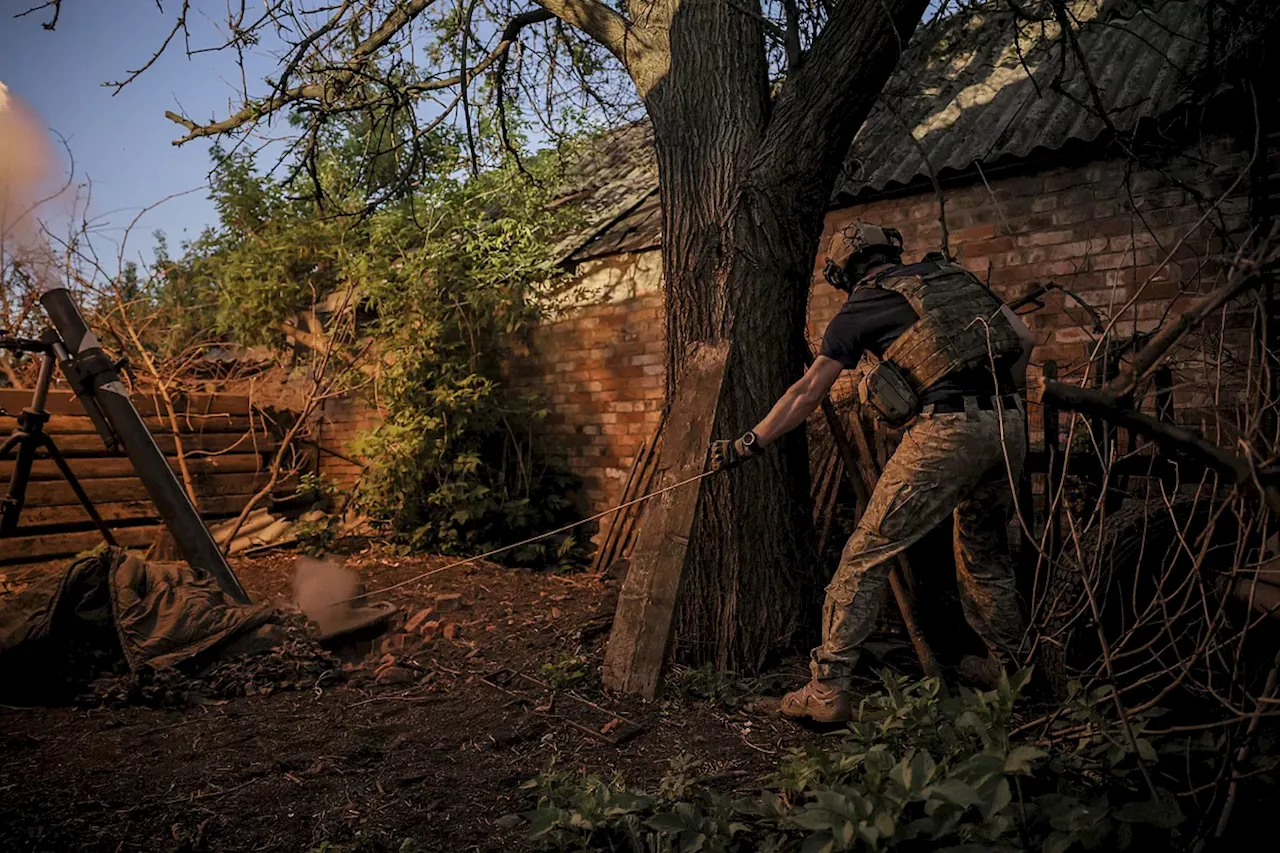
pixel 1247 275
pixel 1101 404
pixel 855 52
pixel 328 91
pixel 50 24
pixel 465 82
pixel 179 24
pixel 600 22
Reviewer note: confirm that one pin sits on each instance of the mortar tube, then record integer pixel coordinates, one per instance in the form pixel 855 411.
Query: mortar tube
pixel 100 382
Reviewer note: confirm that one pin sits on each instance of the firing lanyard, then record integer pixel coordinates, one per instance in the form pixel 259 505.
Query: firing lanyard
pixel 487 554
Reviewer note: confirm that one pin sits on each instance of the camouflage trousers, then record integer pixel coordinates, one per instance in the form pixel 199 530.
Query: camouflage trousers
pixel 961 463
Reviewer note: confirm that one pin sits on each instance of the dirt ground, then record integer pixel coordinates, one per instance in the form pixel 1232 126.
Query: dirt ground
pixel 437 757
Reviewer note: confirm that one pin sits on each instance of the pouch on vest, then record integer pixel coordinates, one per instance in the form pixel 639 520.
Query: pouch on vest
pixel 887 392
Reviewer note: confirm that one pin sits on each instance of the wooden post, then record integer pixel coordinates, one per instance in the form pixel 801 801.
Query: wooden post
pixel 1164 411
pixel 642 624
pixel 1054 468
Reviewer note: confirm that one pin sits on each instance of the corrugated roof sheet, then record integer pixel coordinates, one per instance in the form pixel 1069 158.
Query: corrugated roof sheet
pixel 981 87
pixel 618 172
pixel 986 87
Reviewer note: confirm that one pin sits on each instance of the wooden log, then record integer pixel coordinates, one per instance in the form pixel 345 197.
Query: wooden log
pixel 21 549
pixel 115 466
pixel 62 402
pixel 627 543
pixel 60 425
pixel 827 497
pixel 642 625
pixel 121 489
pixel 194 444
pixel 122 511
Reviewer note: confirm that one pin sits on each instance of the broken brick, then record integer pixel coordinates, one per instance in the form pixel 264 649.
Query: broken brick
pixel 417 620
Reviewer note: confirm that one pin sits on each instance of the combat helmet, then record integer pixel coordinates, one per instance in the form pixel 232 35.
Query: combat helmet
pixel 855 247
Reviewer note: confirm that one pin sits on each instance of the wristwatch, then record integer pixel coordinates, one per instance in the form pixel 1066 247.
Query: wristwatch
pixel 748 441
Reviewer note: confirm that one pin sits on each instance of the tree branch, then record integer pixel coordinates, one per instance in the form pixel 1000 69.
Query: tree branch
pixel 50 24
pixel 795 56
pixel 1247 275
pixel 597 20
pixel 814 116
pixel 326 92
pixel 1102 404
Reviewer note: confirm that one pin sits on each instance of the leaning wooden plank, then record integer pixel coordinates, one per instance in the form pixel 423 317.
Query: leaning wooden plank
pixel 43 546
pixel 115 466
pixel 604 553
pixel 146 402
pixel 646 605
pixel 118 511
pixel 117 489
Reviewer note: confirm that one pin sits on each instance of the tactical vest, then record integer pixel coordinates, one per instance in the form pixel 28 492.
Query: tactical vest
pixel 960 326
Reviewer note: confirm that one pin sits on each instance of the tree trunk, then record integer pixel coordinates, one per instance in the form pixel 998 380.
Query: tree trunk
pixel 745 184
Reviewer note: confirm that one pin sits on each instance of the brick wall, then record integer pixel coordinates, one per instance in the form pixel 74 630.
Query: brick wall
pixel 600 369
pixel 341 420
pixel 1101 229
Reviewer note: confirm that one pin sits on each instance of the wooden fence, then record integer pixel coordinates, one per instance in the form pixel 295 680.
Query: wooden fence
pixel 228 448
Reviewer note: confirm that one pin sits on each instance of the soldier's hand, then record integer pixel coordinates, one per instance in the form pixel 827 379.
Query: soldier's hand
pixel 726 454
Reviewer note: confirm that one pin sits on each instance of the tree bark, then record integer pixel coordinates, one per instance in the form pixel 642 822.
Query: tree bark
pixel 745 183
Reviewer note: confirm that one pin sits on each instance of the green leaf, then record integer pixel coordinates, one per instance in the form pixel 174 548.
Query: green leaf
pixel 666 822
pixel 1162 812
pixel 815 819
pixel 885 825
pixel 1020 757
pixel 1058 842
pixel 822 842
pixel 692 842
pixel 957 792
pixel 1000 798
pixel 922 770
pixel 1146 750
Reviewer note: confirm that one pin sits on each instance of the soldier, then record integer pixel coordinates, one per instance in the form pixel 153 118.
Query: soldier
pixel 949 359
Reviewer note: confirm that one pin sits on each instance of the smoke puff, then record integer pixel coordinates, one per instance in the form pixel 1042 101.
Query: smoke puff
pixel 322 588
pixel 29 170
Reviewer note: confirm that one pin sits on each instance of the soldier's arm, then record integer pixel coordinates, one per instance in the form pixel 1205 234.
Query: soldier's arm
pixel 799 401
pixel 1028 339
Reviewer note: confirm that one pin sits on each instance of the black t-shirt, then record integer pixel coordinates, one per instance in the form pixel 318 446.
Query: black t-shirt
pixel 872 318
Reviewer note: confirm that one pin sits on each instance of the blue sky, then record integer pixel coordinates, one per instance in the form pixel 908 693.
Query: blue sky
pixel 123 143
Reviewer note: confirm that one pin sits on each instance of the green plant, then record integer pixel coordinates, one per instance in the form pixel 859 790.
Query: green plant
pixel 318 529
pixel 708 684
pixel 565 672
pixel 927 773
pixel 451 466
pixel 418 299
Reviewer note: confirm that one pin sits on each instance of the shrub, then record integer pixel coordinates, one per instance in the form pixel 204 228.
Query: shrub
pixel 928 773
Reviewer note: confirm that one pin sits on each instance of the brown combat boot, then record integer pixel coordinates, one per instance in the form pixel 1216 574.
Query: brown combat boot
pixel 822 703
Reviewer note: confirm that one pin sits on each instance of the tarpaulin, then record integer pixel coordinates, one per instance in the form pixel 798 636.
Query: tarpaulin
pixel 156 614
